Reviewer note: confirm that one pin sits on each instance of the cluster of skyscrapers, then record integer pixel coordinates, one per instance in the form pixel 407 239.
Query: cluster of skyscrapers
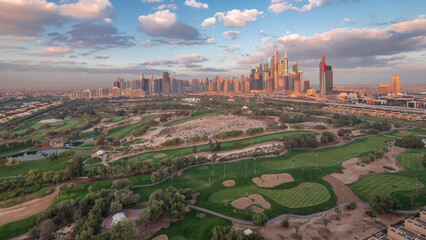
pixel 275 77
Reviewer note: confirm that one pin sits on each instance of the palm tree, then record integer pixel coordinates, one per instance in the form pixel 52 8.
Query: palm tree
pixel 297 229
pixel 394 190
pixel 324 220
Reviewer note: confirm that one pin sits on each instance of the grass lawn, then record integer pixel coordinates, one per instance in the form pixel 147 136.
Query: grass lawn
pixel 122 131
pixel 60 127
pixel 42 164
pixel 195 115
pixel 303 195
pixel 407 132
pixel 225 146
pixel 329 156
pixel 15 201
pixel 94 160
pixel 185 229
pixel 412 159
pixel 383 183
pixel 113 118
pixel 13 229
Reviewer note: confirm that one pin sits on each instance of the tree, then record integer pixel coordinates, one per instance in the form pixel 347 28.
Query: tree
pixel 46 229
pixel 338 212
pixel 115 207
pixel 285 223
pixel 246 167
pixel 194 149
pixel 260 219
pixel 394 190
pixel 383 203
pixel 13 163
pixel 123 230
pixel 297 229
pixel 226 233
pixel 324 220
pixel 410 142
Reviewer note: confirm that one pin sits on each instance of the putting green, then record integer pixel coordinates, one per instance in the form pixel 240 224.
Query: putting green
pixel 412 159
pixel 383 183
pixel 303 195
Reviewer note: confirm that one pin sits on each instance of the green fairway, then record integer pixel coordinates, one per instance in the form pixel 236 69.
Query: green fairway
pixel 303 195
pixel 407 132
pixel 113 118
pixel 60 127
pixel 195 115
pixel 225 146
pixel 383 183
pixel 185 229
pixel 329 156
pixel 412 159
pixel 33 124
pixel 13 229
pixel 122 131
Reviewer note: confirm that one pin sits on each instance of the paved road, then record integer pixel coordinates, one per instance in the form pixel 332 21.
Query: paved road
pixel 282 216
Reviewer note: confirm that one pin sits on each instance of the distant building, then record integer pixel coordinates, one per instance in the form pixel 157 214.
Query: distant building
pixel 325 77
pixel 396 84
pixel 384 89
pixel 306 85
pixel 166 83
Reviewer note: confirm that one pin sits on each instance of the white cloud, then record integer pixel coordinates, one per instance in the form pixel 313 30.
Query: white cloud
pixel 347 20
pixel 165 6
pixel 208 22
pixel 230 48
pixel 278 6
pixel 149 43
pixel 195 4
pixel 86 9
pixel 237 18
pixel 231 34
pixel 165 24
pixel 184 59
pixel 17 38
pixel 152 1
pixel 54 51
pixel 266 39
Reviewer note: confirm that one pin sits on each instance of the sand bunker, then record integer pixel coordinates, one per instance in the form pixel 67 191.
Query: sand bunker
pixel 229 183
pixel 50 121
pixel 273 180
pixel 244 202
pixel 160 155
pixel 256 209
pixel 161 237
pixel 147 160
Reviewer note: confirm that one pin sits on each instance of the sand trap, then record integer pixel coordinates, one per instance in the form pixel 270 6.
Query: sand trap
pixel 256 209
pixel 161 237
pixel 273 180
pixel 50 121
pixel 229 183
pixel 147 160
pixel 160 155
pixel 244 202
pixel 353 171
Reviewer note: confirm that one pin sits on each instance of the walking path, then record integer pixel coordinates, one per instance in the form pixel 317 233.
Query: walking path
pixel 282 216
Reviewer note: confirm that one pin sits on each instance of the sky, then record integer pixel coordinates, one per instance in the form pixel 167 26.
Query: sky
pixel 89 43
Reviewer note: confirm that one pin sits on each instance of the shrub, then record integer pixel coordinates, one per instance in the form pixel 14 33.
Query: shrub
pixel 172 142
pixel 351 206
pixel 252 131
pixel 320 127
pixel 233 133
pixel 285 223
pixel 410 142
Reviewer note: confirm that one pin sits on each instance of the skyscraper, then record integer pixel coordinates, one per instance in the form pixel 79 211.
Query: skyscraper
pixel 276 66
pixel 285 62
pixel 166 83
pixel 325 77
pixel 306 86
pixel 295 69
pixel 396 84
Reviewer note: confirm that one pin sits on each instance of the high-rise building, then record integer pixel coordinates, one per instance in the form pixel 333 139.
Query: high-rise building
pixel 384 88
pixel 295 69
pixel 306 85
pixel 325 77
pixel 396 84
pixel 166 83
pixel 276 66
pixel 285 63
pixel 151 84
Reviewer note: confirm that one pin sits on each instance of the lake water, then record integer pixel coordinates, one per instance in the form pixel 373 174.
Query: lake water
pixel 77 143
pixel 36 155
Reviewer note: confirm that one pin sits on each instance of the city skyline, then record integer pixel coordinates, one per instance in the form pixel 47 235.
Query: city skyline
pixel 89 43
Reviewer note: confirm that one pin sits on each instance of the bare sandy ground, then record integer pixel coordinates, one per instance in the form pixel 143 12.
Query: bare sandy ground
pixel 244 202
pixel 26 209
pixel 160 155
pixel 344 193
pixel 352 171
pixel 161 237
pixel 229 183
pixel 352 225
pixel 273 180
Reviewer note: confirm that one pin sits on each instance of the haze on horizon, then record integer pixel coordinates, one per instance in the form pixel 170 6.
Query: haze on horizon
pixel 89 43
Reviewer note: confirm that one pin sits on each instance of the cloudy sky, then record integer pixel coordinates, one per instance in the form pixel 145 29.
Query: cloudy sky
pixel 89 43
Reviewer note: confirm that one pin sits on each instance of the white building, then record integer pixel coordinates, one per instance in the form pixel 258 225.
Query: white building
pixel 118 217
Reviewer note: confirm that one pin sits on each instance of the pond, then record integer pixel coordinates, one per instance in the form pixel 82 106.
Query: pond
pixel 36 155
pixel 77 143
